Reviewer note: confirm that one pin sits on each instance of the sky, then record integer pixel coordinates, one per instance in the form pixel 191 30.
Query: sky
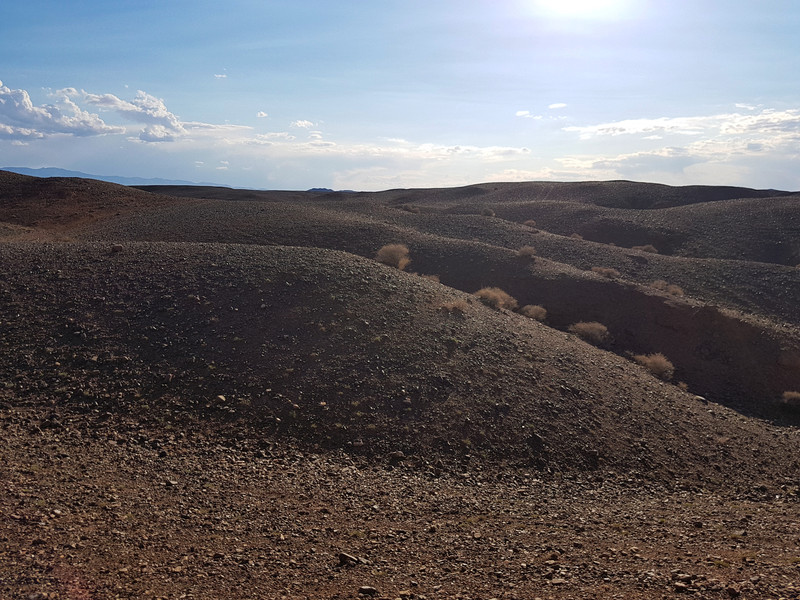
pixel 382 94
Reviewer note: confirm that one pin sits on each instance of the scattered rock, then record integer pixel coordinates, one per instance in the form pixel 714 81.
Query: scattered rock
pixel 367 590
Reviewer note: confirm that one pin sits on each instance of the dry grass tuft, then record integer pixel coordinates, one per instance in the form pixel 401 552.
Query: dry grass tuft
pixel 487 212
pixel 534 311
pixel 394 255
pixel 606 272
pixel 455 306
pixel 675 290
pixel 590 331
pixel 526 252
pixel 659 284
pixel 496 298
pixel 576 236
pixel 791 399
pixel 529 223
pixel 431 277
pixel 669 288
pixel 646 248
pixel 410 208
pixel 658 364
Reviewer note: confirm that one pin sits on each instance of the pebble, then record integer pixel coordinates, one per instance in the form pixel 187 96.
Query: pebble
pixel 367 590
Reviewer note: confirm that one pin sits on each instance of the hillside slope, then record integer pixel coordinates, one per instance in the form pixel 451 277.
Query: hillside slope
pixel 340 351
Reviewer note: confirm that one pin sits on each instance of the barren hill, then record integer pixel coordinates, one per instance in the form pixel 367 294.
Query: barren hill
pixel 235 368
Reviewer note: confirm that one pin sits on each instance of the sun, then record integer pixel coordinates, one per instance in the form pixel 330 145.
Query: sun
pixel 582 9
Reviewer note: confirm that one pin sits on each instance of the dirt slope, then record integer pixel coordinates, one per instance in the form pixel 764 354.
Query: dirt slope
pixel 217 395
pixel 344 352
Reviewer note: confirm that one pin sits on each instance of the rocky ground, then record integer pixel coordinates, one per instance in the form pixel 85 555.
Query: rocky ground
pixel 95 506
pixel 219 398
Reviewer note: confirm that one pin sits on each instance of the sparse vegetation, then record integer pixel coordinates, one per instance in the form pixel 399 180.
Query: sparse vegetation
pixel 534 311
pixel 576 236
pixel 410 208
pixel 526 252
pixel 669 288
pixel 674 290
pixel 606 272
pixel 496 298
pixel 646 248
pixel 529 223
pixel 590 331
pixel 658 364
pixel 487 212
pixel 455 306
pixel 394 255
pixel 791 399
pixel 432 277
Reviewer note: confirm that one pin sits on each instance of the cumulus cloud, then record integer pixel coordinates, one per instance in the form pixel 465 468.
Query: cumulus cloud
pixel 557 105
pixel 302 124
pixel 220 76
pixel 160 124
pixel 21 119
pixel 261 114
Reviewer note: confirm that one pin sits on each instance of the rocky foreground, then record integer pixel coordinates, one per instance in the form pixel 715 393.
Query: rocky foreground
pixel 96 506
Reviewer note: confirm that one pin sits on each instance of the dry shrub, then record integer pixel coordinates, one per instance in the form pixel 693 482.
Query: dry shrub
pixel 534 311
pixel 590 331
pixel 658 364
pixel 659 284
pixel 646 248
pixel 487 212
pixel 455 306
pixel 529 223
pixel 606 272
pixel 410 208
pixel 526 252
pixel 431 277
pixel 674 290
pixel 496 298
pixel 791 399
pixel 669 288
pixel 394 255
pixel 576 236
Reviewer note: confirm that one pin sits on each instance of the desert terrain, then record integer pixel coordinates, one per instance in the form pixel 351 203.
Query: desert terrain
pixel 219 393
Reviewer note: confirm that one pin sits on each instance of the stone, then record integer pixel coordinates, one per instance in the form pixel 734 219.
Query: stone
pixel 732 591
pixel 367 590
pixel 347 560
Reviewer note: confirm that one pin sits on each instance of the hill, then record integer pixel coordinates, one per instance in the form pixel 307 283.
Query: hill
pixel 220 393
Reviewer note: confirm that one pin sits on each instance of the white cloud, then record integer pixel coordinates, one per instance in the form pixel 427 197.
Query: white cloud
pixel 766 122
pixel 261 114
pixel 161 124
pixel 526 114
pixel 156 133
pixel 21 119
pixel 556 105
pixel 302 124
pixel 220 76
pixel 680 125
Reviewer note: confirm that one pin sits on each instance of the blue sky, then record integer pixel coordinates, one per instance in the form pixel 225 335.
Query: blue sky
pixel 379 94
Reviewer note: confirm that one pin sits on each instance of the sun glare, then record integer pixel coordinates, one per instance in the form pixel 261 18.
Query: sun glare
pixel 582 9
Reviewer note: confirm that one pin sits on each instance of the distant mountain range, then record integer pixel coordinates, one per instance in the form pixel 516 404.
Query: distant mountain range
pixel 55 172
